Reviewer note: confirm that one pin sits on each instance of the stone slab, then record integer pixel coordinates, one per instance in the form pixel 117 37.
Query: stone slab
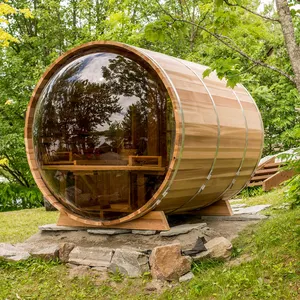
pixel 46 253
pixel 129 263
pixel 144 232
pixel 243 217
pixel 10 252
pixel 91 256
pixel 54 227
pixel 250 209
pixel 182 229
pixel 108 231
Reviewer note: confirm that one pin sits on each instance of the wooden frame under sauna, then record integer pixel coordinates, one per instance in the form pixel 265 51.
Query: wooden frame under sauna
pixel 179 143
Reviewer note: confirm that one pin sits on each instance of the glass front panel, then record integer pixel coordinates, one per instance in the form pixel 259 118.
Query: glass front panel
pixel 103 135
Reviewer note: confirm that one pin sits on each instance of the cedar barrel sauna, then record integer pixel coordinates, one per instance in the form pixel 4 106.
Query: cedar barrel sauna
pixel 118 136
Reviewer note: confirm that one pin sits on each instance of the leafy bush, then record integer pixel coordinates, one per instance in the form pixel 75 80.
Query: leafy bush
pixel 293 163
pixel 14 196
pixel 251 192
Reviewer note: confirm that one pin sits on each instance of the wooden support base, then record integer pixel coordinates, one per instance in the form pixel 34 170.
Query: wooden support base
pixel 154 220
pixel 219 208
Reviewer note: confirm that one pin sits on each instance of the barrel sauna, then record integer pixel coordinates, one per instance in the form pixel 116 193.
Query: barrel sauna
pixel 118 136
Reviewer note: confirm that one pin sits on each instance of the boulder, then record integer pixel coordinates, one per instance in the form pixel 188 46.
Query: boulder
pixel 167 263
pixel 46 253
pixel 130 263
pixel 65 250
pixel 10 252
pixel 219 247
pixel 92 256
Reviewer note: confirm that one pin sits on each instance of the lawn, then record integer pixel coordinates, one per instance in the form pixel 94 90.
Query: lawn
pixel 17 226
pixel 273 272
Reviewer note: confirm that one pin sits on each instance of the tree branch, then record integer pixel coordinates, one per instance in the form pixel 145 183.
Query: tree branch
pixel 11 172
pixel 252 12
pixel 220 38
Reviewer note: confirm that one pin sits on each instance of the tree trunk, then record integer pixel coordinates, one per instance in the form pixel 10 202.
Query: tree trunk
pixel 289 37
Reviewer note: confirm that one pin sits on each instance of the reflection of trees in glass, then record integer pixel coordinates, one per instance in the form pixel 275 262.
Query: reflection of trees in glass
pixel 145 120
pixel 73 109
pixel 120 104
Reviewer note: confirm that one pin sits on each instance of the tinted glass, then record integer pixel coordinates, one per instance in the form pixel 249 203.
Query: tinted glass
pixel 103 135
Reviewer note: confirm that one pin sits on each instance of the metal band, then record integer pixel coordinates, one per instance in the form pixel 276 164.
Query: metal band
pixel 245 148
pixel 218 140
pixel 165 192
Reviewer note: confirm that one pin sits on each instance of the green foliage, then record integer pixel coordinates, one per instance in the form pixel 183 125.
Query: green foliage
pixel 251 192
pixel 46 29
pixel 15 196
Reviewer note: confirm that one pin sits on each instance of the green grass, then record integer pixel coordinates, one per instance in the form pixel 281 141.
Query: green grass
pixel 274 272
pixel 275 198
pixel 17 226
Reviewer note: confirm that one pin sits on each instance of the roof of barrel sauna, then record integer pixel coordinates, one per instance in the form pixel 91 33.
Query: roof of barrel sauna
pixel 114 131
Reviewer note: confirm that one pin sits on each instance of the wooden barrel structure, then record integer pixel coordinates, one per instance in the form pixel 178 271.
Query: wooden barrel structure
pixel 115 133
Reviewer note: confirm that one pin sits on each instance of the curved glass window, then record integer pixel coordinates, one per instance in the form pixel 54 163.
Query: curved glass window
pixel 103 134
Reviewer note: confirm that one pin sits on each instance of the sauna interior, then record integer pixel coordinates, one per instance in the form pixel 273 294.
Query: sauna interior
pixel 103 134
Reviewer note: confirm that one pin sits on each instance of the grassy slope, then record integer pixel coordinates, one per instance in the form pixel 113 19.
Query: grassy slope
pixel 274 273
pixel 17 226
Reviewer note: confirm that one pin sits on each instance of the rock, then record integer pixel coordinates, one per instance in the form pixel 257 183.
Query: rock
pixel 240 260
pixel 144 232
pixel 236 206
pixel 92 256
pixel 54 227
pixel 99 269
pixel 46 253
pixel 182 229
pixel 154 286
pixel 79 271
pixel 65 250
pixel 243 217
pixel 167 263
pixel 109 231
pixel 201 256
pixel 71 266
pixel 10 252
pixel 129 263
pixel 219 247
pixel 187 277
pixel 251 209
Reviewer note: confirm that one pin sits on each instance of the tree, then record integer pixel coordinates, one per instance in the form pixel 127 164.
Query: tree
pixel 5 11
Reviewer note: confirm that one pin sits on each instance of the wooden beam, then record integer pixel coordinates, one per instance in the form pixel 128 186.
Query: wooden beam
pixel 219 208
pixel 154 220
pixel 276 179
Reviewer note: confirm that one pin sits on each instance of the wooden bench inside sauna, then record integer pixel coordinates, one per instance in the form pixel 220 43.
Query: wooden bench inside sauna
pixel 118 136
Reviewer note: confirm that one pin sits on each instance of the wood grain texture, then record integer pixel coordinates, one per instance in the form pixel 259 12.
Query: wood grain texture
pixel 276 179
pixel 217 144
pixel 154 220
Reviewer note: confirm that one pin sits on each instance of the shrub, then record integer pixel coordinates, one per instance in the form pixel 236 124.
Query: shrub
pixel 13 197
